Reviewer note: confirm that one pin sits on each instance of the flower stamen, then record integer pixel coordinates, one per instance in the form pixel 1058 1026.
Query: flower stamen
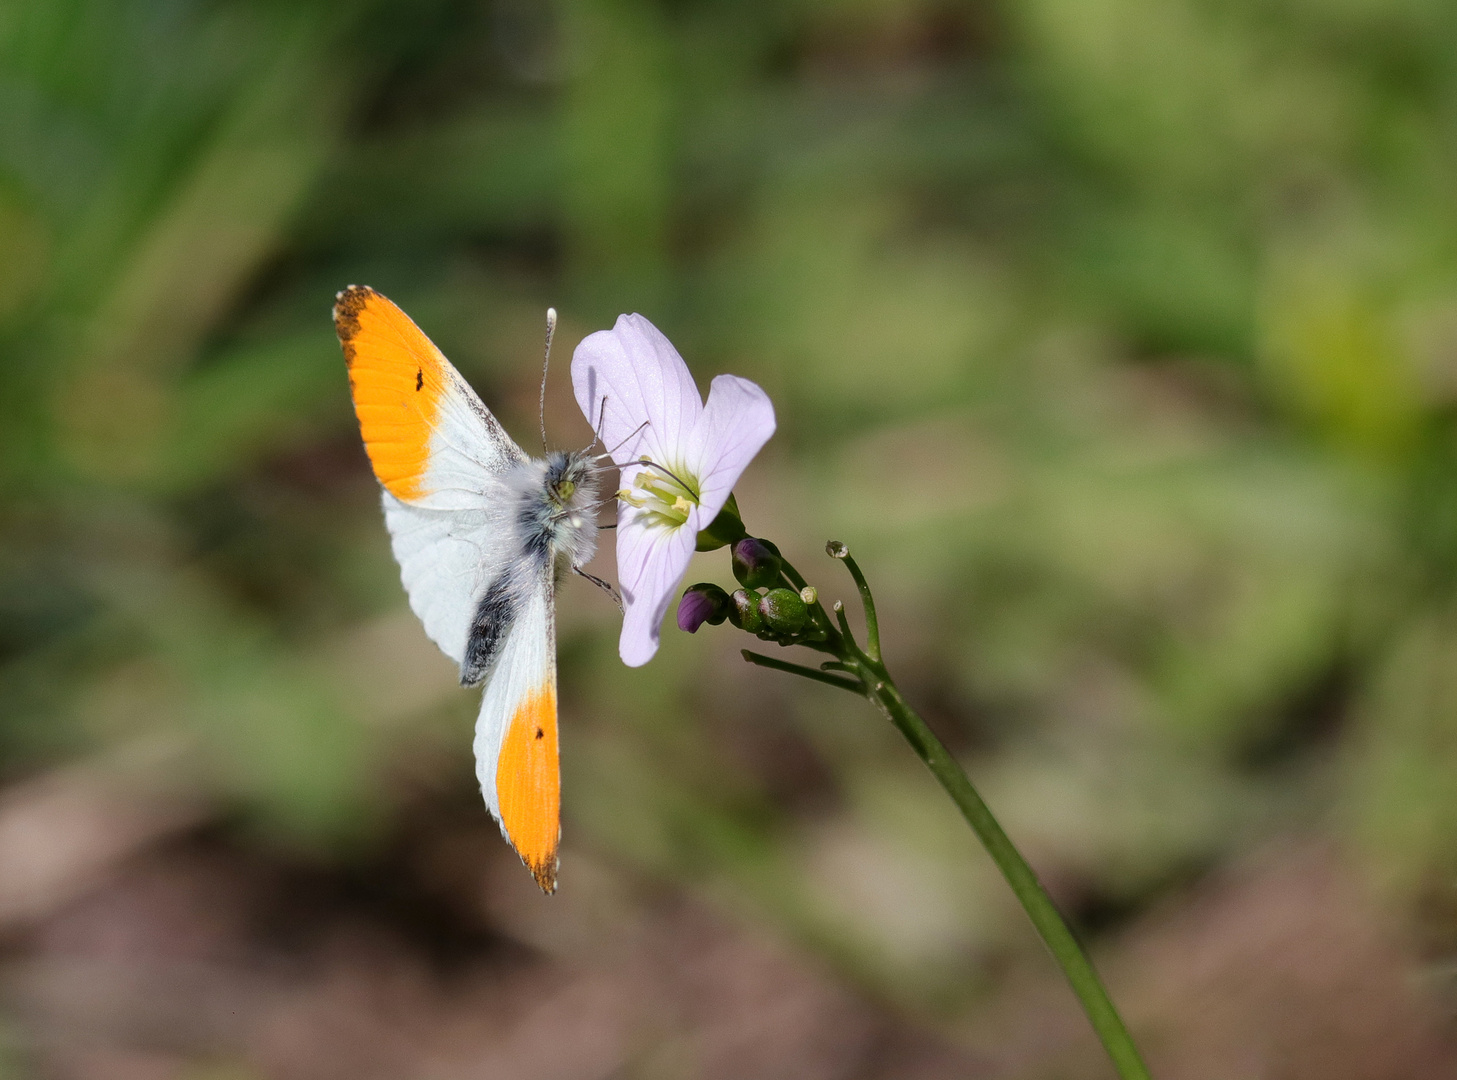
pixel 666 497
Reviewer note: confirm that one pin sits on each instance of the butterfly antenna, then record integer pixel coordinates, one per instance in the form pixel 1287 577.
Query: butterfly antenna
pixel 601 418
pixel 627 440
pixel 545 362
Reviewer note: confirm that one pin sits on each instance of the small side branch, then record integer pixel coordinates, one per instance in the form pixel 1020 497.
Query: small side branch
pixel 837 550
pixel 846 633
pixel 854 686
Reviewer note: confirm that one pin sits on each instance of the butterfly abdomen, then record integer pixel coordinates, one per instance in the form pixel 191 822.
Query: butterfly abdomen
pixel 494 614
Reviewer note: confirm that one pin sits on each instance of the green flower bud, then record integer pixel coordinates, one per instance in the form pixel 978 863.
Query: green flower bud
pixel 744 611
pixel 784 611
pixel 723 529
pixel 756 563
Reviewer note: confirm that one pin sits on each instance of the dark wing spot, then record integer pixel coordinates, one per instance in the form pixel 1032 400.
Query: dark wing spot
pixel 540 733
pixel 419 378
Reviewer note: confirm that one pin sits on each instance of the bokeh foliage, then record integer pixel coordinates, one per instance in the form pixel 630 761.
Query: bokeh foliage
pixel 1119 337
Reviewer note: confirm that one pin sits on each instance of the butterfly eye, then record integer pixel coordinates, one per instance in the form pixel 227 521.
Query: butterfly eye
pixel 566 489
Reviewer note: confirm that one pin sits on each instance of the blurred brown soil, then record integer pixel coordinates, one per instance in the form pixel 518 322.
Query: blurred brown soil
pixel 1283 967
pixel 176 950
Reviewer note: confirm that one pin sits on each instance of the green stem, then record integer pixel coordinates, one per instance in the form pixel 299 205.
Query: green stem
pixel 872 680
pixel 1019 875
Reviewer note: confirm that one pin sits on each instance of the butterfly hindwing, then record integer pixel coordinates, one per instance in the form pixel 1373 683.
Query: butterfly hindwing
pixel 516 733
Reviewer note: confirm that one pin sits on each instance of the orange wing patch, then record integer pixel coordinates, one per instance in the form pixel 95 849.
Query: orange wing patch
pixel 398 378
pixel 528 784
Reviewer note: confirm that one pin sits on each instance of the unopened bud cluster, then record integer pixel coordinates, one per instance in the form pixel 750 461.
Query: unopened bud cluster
pixel 765 606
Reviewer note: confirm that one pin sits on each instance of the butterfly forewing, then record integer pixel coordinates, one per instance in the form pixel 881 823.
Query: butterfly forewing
pixel 440 456
pixel 429 437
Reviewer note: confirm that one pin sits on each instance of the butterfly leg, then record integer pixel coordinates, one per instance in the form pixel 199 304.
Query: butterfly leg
pixel 604 586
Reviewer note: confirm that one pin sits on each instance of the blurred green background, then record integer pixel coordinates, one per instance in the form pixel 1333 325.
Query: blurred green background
pixel 1117 337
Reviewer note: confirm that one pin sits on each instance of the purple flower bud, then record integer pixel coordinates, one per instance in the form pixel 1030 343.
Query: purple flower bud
pixel 756 563
pixel 702 603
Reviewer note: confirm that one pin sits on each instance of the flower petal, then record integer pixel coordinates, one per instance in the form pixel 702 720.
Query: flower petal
pixel 651 560
pixel 736 423
pixel 651 402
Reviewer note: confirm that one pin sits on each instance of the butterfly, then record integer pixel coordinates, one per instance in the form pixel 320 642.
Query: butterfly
pixel 482 533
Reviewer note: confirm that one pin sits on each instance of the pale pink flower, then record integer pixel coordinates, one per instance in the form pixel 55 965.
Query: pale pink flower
pixel 679 458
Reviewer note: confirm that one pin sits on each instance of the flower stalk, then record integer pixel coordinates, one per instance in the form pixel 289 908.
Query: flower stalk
pixel 863 672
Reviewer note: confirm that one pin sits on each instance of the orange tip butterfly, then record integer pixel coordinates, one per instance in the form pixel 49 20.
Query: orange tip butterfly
pixel 482 534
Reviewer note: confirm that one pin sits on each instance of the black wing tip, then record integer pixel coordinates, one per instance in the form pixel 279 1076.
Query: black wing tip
pixel 545 874
pixel 351 298
pixel 348 303
pixel 544 870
